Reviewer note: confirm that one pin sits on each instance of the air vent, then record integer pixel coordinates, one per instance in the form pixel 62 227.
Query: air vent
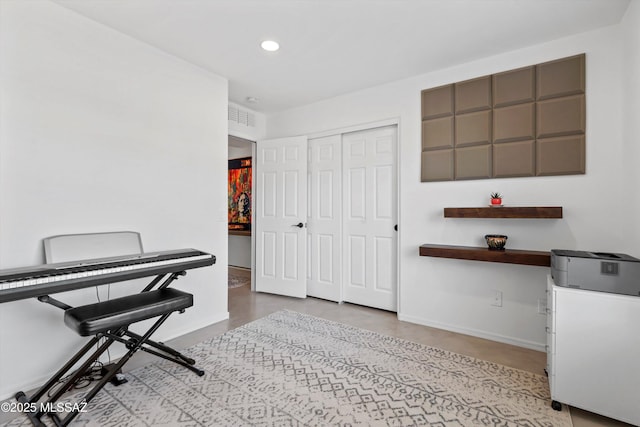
pixel 240 116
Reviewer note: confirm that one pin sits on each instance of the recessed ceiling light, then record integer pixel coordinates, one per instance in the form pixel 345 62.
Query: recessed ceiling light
pixel 270 45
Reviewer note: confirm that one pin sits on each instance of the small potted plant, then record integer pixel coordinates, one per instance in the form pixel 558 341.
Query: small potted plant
pixel 496 199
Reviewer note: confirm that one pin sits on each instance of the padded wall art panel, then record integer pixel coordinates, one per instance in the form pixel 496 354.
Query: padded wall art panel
pixel 514 159
pixel 437 133
pixel 561 116
pixel 514 123
pixel 437 102
pixel 473 128
pixel 514 87
pixel 561 77
pixel 560 156
pixel 437 165
pixel 473 162
pixel 517 123
pixel 473 95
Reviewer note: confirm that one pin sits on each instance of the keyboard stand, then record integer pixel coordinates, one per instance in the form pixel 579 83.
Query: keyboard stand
pixel 109 320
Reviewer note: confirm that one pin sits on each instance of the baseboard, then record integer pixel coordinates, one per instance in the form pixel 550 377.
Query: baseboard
pixel 532 345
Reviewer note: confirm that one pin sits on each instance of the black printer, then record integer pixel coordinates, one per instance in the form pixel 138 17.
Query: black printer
pixel 596 271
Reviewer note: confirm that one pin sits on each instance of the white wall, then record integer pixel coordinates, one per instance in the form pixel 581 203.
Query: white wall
pixel 239 152
pixel 100 132
pixel 240 251
pixel 455 294
pixel 631 28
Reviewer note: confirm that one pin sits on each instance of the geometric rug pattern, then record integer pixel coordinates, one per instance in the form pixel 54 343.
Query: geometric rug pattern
pixel 292 369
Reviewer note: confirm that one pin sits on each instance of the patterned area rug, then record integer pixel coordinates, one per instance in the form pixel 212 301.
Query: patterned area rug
pixel 237 280
pixel 292 369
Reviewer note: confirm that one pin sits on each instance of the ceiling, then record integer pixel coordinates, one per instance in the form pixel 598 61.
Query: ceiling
pixel 333 47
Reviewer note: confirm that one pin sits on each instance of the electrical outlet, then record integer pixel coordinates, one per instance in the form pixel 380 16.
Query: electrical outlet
pixel 497 299
pixel 542 306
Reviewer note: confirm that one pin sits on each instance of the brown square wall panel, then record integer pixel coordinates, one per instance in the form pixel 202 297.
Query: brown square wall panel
pixel 514 159
pixel 561 77
pixel 528 121
pixel 473 162
pixel 473 95
pixel 561 116
pixel 437 102
pixel 473 128
pixel 514 123
pixel 437 133
pixel 514 87
pixel 437 165
pixel 560 156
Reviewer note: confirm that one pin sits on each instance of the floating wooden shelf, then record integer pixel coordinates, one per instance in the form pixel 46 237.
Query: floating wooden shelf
pixel 505 212
pixel 240 232
pixel 473 253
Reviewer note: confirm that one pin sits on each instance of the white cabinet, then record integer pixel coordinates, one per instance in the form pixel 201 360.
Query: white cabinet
pixel 593 355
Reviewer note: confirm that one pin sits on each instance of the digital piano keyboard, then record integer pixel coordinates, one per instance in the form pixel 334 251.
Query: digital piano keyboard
pixel 28 282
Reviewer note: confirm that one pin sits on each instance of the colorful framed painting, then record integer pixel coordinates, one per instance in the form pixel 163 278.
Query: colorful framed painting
pixel 240 184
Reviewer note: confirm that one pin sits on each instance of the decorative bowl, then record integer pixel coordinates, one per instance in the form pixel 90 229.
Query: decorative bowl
pixel 496 242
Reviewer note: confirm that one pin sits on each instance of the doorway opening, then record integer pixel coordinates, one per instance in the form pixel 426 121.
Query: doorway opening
pixel 240 207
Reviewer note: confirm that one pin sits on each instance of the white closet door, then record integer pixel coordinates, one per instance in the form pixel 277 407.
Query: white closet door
pixel 369 208
pixel 281 210
pixel 324 221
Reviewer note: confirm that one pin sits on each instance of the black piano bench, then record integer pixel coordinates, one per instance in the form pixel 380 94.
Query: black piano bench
pixel 111 315
pixel 108 322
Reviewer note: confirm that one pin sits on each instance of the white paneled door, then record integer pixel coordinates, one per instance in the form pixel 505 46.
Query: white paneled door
pixel 344 187
pixel 280 216
pixel 370 217
pixel 325 218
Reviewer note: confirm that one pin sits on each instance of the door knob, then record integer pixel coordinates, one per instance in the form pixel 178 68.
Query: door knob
pixel 299 225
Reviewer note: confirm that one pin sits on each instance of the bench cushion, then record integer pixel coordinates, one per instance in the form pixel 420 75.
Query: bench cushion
pixel 110 315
